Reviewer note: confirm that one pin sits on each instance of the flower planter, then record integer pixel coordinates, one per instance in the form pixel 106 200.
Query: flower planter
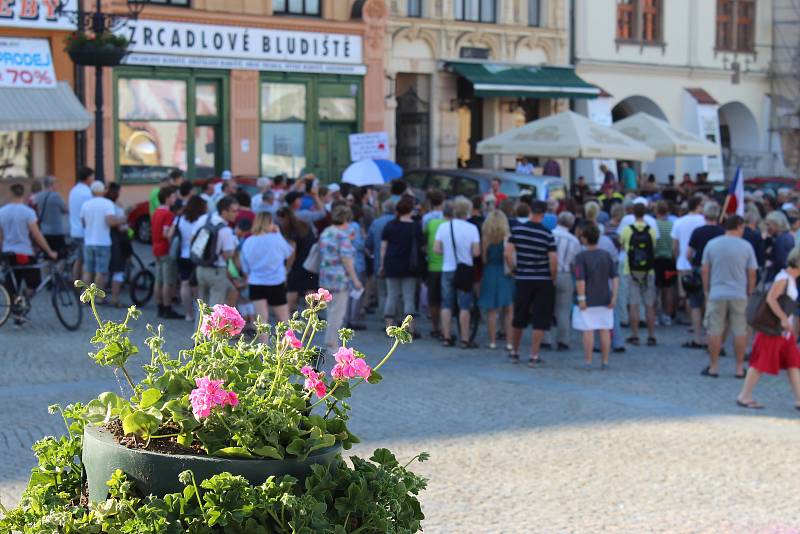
pixel 157 473
pixel 92 55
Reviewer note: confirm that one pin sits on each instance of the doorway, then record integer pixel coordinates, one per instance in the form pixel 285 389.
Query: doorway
pixel 412 120
pixel 334 150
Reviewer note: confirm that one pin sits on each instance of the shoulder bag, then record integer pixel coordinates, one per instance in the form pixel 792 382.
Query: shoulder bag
pixel 463 276
pixel 313 259
pixel 177 241
pixel 760 316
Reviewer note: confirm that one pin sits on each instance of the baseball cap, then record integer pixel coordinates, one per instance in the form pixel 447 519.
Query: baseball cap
pixel 334 188
pixel 226 175
pixel 640 200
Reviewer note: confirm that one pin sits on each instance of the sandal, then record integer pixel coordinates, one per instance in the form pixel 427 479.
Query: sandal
pixel 707 372
pixel 534 362
pixel 467 344
pixel 694 345
pixel 514 357
pixel 447 342
pixel 633 340
pixel 651 342
pixel 753 405
pixel 741 376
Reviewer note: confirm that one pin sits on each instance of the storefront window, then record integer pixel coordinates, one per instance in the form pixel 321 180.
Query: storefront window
pixel 164 124
pixel 15 154
pixel 283 130
pixel 337 109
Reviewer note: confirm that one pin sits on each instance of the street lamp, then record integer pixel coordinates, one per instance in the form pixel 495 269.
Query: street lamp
pixel 98 50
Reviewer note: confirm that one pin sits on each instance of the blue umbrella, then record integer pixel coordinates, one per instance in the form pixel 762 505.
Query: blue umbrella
pixel 371 172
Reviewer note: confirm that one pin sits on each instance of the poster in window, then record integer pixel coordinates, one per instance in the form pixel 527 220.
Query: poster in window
pixel 15 155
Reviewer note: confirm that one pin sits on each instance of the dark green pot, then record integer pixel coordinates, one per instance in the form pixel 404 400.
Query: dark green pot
pixel 91 55
pixel 157 474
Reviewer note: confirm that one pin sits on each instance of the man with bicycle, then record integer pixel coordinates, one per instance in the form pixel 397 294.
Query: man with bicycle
pixel 18 228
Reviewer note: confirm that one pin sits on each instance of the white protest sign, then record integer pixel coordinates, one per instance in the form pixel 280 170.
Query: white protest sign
pixel 373 145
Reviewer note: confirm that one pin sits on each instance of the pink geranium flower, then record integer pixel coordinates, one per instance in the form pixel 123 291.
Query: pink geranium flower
pixel 314 381
pixel 291 339
pixel 349 366
pixel 323 295
pixel 209 395
pixel 224 320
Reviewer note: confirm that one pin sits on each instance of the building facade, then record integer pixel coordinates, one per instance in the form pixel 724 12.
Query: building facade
pixel 257 87
pixel 703 66
pixel 39 111
pixel 461 70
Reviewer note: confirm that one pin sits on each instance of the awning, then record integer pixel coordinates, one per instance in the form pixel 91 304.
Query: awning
pixel 42 110
pixel 490 79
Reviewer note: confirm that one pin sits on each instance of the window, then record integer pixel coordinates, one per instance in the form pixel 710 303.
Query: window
pixel 413 8
pixel 15 154
pixel 736 25
pixel 337 109
pixel 296 7
pixel 165 124
pixel 639 21
pixel 283 128
pixel 476 10
pixel 534 13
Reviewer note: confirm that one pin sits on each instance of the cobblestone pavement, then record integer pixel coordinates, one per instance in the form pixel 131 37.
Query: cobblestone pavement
pixel 648 446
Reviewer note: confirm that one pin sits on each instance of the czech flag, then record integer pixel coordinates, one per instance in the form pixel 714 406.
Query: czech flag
pixel 734 202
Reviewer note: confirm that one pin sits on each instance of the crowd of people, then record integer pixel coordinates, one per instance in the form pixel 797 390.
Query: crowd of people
pixel 598 263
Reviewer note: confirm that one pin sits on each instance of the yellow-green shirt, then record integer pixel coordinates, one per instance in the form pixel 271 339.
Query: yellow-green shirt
pixel 625 238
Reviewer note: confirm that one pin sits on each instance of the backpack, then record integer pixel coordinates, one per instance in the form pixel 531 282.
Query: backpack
pixel 203 250
pixel 641 257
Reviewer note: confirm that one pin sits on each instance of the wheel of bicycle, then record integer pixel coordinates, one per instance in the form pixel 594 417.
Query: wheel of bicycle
pixel 66 303
pixel 142 285
pixel 5 305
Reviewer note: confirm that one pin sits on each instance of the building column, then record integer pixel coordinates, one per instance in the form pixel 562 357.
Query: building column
pixel 245 145
pixel 375 14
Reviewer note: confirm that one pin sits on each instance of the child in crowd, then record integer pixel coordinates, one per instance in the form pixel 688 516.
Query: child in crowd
pixel 596 285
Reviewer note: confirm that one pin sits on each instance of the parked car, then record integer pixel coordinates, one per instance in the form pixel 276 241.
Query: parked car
pixel 470 182
pixel 139 214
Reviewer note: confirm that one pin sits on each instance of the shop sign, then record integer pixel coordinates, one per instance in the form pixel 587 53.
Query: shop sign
pixel 373 145
pixel 37 14
pixel 256 44
pixel 199 62
pixel 26 63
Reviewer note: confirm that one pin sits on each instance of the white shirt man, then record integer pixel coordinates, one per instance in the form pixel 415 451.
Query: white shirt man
pixel 682 232
pixel 98 215
pixel 78 195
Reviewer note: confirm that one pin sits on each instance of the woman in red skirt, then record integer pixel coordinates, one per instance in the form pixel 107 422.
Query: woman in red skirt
pixel 770 354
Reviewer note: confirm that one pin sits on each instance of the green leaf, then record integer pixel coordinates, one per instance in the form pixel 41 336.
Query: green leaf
pixel 233 452
pixel 188 492
pixel 268 452
pixel 296 447
pixel 149 398
pixel 342 392
pixel 326 440
pixel 185 438
pixel 374 377
pixel 140 423
pixel 384 457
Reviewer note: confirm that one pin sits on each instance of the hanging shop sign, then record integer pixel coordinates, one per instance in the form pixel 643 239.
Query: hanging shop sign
pixel 157 42
pixel 37 14
pixel 26 63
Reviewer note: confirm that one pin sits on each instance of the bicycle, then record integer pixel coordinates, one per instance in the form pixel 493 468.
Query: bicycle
pixel 64 298
pixel 140 279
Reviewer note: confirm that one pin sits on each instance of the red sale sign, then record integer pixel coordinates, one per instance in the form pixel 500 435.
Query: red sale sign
pixel 26 63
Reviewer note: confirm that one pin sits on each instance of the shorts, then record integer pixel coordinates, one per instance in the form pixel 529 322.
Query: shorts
pixel 96 259
pixel 166 270
pixel 696 300
pixel 301 281
pixel 58 244
pixel 730 313
pixel 434 283
pixel 452 296
pixel 274 295
pixel 185 270
pixel 534 301
pixel 32 276
pixel 666 273
pixel 641 291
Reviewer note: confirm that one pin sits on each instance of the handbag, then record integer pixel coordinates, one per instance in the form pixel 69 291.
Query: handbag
pixel 463 276
pixel 760 316
pixel 313 260
pixel 416 261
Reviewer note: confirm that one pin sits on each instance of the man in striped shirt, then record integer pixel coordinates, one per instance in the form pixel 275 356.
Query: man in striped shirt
pixel 531 254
